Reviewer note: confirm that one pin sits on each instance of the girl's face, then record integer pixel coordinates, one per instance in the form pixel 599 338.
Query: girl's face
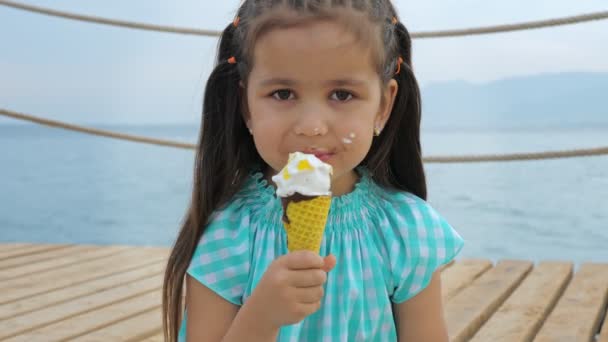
pixel 314 89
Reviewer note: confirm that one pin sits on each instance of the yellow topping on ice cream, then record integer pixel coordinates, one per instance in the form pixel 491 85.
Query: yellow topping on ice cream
pixel 304 165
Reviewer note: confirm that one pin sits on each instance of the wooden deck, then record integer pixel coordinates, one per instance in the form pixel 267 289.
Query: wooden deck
pixel 90 293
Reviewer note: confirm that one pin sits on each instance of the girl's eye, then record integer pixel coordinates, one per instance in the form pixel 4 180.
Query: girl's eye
pixel 286 94
pixel 342 96
pixel 283 95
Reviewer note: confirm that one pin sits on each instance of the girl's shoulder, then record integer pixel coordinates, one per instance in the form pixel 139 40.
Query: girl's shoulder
pixel 400 205
pixel 222 257
pixel 254 195
pixel 406 205
pixel 372 201
pixel 412 218
pixel 417 239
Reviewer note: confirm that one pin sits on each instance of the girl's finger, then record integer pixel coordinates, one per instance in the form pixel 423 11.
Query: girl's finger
pixel 303 260
pixel 308 295
pixel 329 262
pixel 308 309
pixel 307 278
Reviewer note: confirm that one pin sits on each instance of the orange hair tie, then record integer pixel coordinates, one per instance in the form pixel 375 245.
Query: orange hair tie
pixel 232 60
pixel 399 62
pixel 395 21
pixel 236 21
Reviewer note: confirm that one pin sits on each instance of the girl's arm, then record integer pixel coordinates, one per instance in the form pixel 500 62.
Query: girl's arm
pixel 290 290
pixel 421 317
pixel 212 318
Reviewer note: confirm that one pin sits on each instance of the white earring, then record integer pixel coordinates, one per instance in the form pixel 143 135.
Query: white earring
pixel 377 131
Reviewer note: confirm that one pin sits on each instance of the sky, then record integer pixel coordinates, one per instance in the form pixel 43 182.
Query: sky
pixel 92 74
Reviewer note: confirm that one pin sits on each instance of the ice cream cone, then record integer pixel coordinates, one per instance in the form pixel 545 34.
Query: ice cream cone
pixel 304 186
pixel 305 223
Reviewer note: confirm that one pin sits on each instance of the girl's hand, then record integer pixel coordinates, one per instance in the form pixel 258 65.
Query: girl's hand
pixel 291 289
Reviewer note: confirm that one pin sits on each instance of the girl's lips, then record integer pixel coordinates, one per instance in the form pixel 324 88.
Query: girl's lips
pixel 322 154
pixel 325 156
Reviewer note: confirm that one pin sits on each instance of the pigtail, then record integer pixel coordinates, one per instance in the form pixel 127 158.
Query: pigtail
pixel 404 42
pixel 225 149
pixel 395 158
pixel 406 155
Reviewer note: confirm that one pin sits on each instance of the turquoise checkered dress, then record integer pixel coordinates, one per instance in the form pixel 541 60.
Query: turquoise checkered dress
pixel 387 243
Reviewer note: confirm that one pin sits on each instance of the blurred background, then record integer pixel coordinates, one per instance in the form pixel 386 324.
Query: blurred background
pixel 516 92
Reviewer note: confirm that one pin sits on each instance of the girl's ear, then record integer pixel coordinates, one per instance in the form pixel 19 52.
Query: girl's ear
pixel 389 93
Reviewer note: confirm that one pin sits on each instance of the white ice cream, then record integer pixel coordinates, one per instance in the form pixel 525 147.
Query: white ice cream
pixel 305 174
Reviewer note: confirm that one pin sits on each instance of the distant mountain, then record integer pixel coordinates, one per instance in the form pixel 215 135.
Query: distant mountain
pixel 540 100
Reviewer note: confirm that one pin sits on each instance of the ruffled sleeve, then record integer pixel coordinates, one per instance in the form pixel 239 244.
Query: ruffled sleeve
pixel 222 258
pixel 423 241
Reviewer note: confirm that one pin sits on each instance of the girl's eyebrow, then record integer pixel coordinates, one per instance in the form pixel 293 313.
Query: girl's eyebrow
pixel 277 81
pixel 346 82
pixel 290 83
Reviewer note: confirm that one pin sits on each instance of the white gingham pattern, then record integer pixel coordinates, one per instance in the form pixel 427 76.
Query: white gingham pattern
pixel 388 244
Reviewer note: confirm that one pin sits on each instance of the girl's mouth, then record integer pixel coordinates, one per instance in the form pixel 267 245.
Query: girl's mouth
pixel 323 155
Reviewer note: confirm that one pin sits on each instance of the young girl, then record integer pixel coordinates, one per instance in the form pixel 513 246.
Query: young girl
pixel 334 79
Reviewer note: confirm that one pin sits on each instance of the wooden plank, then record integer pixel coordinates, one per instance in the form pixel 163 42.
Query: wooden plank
pixel 604 333
pixel 27 250
pixel 520 317
pixel 462 273
pixel 85 323
pixel 446 266
pixel 578 313
pixel 12 246
pixel 72 292
pixel 133 328
pixel 468 310
pixel 156 338
pixel 33 258
pixel 35 284
pixel 84 253
pixel 7 247
pixel 18 325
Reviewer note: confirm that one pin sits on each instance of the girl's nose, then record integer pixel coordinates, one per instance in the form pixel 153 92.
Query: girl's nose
pixel 312 121
pixel 310 128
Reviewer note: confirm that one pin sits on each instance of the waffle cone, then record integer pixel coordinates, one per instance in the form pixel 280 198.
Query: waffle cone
pixel 306 225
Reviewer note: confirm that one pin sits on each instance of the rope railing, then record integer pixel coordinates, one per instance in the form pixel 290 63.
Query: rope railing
pixel 433 159
pixel 570 20
pixel 94 131
pixel 530 25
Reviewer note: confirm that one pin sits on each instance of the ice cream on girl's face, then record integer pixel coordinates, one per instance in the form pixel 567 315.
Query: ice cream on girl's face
pixel 350 138
pixel 304 174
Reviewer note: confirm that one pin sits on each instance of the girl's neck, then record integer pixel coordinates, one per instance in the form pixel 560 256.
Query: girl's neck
pixel 345 183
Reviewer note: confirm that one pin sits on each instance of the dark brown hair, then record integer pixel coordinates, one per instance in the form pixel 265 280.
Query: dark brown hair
pixel 226 154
